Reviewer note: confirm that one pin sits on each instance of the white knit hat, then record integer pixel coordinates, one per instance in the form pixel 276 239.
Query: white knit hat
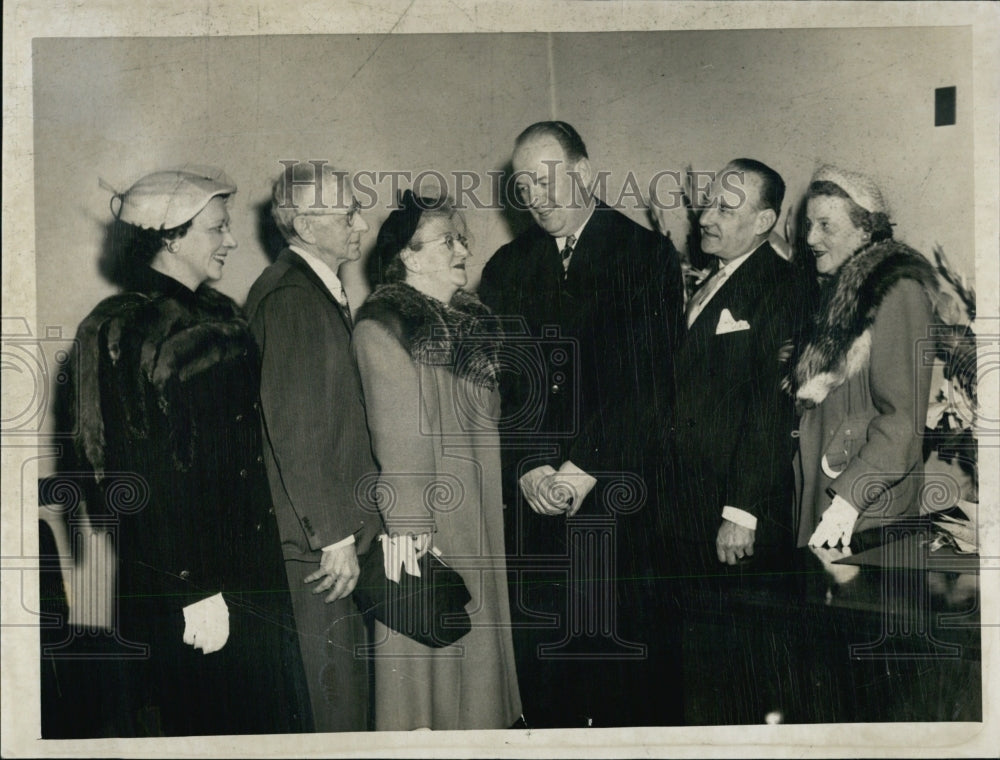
pixel 860 187
pixel 164 200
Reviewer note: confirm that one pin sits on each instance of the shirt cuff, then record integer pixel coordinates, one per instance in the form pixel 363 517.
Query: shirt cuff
pixel 340 544
pixel 738 516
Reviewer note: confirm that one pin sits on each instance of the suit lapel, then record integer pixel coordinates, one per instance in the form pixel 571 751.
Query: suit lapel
pixel 295 261
pixel 738 293
pixel 591 248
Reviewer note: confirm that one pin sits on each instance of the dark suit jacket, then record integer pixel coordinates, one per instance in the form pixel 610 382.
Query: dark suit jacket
pixel 591 375
pixel 315 433
pixel 732 426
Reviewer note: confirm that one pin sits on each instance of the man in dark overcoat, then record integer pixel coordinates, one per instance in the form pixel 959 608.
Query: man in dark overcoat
pixel 595 300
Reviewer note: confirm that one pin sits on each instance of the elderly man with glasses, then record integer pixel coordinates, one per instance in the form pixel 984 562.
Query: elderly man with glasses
pixel 316 443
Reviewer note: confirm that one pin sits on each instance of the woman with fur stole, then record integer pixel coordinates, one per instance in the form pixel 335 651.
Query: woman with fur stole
pixel 428 354
pixel 859 378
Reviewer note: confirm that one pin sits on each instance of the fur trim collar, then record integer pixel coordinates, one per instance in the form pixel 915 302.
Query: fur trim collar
pixel 155 339
pixel 462 335
pixel 840 342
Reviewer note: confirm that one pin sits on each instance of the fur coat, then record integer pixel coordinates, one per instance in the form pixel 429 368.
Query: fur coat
pixel 168 446
pixel 176 335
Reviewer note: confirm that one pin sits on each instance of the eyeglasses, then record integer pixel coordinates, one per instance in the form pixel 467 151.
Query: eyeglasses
pixel 449 240
pixel 350 213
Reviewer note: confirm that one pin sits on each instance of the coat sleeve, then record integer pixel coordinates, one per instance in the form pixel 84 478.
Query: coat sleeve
pixel 302 384
pixel 761 464
pixel 900 390
pixel 403 448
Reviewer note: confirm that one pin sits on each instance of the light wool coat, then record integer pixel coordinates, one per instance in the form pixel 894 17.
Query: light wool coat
pixel 864 380
pixel 434 433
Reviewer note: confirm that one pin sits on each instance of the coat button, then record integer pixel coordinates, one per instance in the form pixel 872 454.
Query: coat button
pixel 239 418
pixel 555 388
pixel 260 527
pixel 243 473
pixel 256 406
pixel 260 459
pixel 185 574
pixel 270 510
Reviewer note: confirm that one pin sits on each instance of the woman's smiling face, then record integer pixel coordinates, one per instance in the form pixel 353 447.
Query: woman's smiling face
pixel 203 249
pixel 831 235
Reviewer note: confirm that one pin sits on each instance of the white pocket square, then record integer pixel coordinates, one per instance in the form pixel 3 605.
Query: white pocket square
pixel 727 324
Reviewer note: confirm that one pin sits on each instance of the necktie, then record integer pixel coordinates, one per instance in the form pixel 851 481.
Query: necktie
pixel 566 253
pixel 705 292
pixel 342 300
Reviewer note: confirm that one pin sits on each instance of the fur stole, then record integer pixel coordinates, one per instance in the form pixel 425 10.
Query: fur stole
pixel 839 343
pixel 462 335
pixel 137 340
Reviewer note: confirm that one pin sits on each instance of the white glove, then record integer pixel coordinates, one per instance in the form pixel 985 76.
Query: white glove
pixel 403 552
pixel 836 526
pixel 206 624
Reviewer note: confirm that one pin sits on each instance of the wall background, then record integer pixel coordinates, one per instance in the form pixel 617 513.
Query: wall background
pixel 118 108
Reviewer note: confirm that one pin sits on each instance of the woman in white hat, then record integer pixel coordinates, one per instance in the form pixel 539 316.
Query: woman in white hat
pixel 859 378
pixel 167 423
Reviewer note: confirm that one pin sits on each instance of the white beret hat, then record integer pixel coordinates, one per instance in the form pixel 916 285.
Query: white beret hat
pixel 860 187
pixel 168 199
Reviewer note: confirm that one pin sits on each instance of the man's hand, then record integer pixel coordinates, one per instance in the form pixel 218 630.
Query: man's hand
pixel 734 542
pixel 206 624
pixel 339 571
pixel 535 485
pixel 571 478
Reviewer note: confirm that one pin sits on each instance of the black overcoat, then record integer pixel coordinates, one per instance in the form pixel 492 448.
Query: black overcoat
pixel 587 379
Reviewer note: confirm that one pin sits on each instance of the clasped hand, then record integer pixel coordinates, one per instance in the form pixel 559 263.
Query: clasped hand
pixel 556 492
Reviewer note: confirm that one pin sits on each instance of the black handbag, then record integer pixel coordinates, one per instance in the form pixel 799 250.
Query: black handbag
pixel 429 609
